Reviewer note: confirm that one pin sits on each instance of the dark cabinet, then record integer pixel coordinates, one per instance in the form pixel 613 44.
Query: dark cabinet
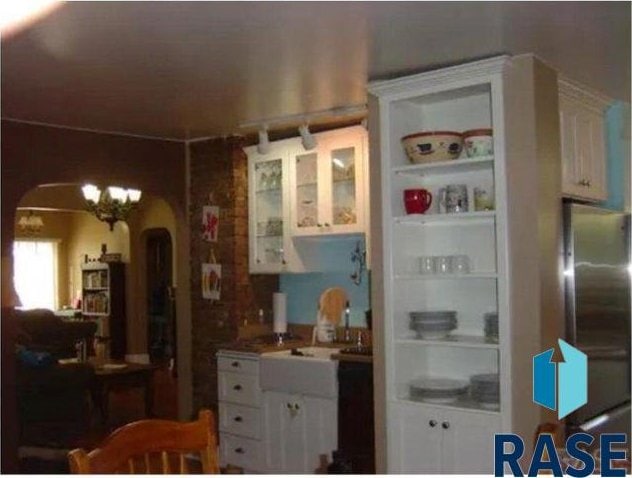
pixel 356 436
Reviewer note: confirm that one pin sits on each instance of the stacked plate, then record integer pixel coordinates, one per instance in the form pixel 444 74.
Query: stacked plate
pixel 491 326
pixel 485 389
pixel 437 390
pixel 433 324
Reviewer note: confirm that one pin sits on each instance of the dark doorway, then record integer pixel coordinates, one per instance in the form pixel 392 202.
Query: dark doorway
pixel 161 324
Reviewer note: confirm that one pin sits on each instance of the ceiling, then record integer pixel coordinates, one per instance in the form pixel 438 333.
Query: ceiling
pixel 184 70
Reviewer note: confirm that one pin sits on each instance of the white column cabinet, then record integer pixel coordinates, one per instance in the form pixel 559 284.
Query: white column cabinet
pixel 297 430
pixel 499 237
pixel 582 129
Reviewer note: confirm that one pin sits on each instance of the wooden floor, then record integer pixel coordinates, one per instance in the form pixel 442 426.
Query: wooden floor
pixel 124 407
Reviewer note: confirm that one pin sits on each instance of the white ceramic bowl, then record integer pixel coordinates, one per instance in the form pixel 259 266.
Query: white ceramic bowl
pixel 478 142
pixel 429 146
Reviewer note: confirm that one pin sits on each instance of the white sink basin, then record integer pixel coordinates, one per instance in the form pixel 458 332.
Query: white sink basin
pixel 313 374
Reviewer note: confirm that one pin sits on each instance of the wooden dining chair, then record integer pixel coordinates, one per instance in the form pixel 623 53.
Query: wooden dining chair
pixel 152 446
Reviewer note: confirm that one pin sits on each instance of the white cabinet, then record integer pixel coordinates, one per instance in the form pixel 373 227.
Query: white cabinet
pixel 497 231
pixel 298 429
pixel 240 416
pixel 582 125
pixel 294 193
pixel 327 185
pixel 428 440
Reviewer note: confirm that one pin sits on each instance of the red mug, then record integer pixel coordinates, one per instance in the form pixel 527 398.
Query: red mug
pixel 417 201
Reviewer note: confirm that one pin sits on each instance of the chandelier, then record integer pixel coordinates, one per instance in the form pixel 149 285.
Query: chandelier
pixel 111 205
pixel 30 224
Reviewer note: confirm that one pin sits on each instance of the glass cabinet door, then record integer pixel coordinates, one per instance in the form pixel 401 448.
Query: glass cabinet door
pixel 344 203
pixel 306 183
pixel 268 213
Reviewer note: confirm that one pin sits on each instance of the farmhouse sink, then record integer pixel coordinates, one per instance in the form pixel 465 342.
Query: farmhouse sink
pixel 305 370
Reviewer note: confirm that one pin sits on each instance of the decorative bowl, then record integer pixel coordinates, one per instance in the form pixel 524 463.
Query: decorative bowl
pixel 430 146
pixel 478 142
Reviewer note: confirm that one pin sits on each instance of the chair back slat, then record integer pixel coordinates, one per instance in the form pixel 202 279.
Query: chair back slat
pixel 146 437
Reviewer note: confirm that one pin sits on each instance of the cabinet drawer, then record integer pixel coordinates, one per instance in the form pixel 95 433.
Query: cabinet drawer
pixel 240 420
pixel 238 365
pixel 239 388
pixel 240 451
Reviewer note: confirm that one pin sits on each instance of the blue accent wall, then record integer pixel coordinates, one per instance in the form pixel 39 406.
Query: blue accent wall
pixel 618 155
pixel 303 292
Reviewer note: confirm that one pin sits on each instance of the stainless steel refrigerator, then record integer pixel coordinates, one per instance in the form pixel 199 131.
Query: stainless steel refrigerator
pixel 597 282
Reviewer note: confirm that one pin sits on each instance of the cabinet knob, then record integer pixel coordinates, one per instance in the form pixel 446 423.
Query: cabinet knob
pixel 258 261
pixel 238 419
pixel 326 224
pixel 319 225
pixel 237 387
pixel 235 364
pixel 445 425
pixel 588 183
pixel 432 423
pixel 283 261
pixel 239 450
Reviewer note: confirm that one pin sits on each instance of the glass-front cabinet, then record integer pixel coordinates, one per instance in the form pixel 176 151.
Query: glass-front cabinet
pixel 327 185
pixel 267 212
pixel 296 193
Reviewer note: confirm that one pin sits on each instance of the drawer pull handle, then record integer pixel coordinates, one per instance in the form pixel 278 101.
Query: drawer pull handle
pixel 237 387
pixel 239 450
pixel 238 419
pixel 235 364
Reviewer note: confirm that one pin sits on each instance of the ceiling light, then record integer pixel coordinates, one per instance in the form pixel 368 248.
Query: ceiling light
pixel 264 141
pixel 30 224
pixel 308 139
pixel 111 206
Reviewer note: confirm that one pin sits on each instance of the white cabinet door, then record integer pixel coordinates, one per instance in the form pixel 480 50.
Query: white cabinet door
pixel 286 432
pixel 298 429
pixel 414 440
pixel 327 184
pixel 582 122
pixel 468 442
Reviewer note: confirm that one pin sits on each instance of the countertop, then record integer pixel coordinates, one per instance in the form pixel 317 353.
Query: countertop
pixel 258 346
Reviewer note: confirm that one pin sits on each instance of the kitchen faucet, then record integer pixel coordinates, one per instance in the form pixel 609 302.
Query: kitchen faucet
pixel 347 334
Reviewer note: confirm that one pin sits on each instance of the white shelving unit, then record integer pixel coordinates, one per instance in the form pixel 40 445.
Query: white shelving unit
pixel 471 96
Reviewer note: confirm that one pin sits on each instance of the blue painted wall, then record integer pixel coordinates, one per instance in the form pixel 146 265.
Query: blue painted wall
pixel 618 156
pixel 303 292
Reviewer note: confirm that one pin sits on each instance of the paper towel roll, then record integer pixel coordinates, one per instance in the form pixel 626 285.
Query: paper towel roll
pixel 279 307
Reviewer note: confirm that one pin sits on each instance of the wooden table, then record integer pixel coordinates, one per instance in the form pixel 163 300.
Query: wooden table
pixel 133 375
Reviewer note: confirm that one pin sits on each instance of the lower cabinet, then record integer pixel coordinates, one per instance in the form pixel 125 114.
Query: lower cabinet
pixel 298 429
pixel 428 440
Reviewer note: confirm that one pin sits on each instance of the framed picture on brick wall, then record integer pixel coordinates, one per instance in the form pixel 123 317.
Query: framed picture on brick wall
pixel 211 281
pixel 210 223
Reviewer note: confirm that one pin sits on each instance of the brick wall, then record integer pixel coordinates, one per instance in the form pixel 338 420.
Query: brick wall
pixel 220 166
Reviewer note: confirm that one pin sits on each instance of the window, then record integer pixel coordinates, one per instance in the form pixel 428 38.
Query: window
pixel 35 273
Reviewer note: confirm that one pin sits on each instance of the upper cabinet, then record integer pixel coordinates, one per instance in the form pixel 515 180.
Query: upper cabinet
pixel 296 193
pixel 327 186
pixel 582 127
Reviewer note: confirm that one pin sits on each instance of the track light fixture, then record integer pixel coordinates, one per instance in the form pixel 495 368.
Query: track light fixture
pixel 307 138
pixel 264 141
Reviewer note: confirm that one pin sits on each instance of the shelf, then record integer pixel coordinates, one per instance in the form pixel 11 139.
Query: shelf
pixel 339 181
pixel 304 185
pixel 271 190
pixel 97 289
pixel 466 165
pixel 451 219
pixel 465 403
pixel 456 340
pixel 268 236
pixel 96 314
pixel 471 275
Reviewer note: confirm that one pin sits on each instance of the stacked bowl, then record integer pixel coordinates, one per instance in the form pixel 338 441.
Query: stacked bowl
pixel 485 389
pixel 433 324
pixel 491 326
pixel 437 390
